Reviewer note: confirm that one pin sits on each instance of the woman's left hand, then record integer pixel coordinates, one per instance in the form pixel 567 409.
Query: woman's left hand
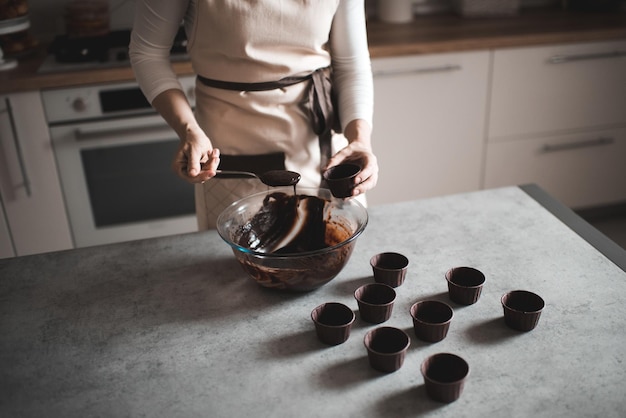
pixel 359 151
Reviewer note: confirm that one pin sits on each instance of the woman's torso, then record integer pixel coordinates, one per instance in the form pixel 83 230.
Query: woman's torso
pixel 258 40
pixel 253 41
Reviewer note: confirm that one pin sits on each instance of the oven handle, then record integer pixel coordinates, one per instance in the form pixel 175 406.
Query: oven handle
pixel 94 133
pixel 18 148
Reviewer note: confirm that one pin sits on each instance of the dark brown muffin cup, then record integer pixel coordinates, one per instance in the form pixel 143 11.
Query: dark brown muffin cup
pixel 522 309
pixel 465 284
pixel 431 320
pixel 386 348
pixel 389 268
pixel 444 376
pixel 333 322
pixel 375 302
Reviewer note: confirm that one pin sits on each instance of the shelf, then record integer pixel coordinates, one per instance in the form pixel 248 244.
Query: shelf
pixel 14 25
pixel 8 26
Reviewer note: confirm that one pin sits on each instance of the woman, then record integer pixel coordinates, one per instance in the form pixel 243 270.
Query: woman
pixel 263 95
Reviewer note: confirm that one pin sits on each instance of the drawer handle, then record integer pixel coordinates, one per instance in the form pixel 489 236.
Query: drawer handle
pixel 424 70
pixel 562 59
pixel 18 149
pixel 598 142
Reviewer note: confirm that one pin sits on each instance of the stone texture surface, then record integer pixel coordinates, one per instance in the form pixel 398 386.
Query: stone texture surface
pixel 172 326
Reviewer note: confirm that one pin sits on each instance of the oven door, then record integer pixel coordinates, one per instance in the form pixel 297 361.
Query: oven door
pixel 118 183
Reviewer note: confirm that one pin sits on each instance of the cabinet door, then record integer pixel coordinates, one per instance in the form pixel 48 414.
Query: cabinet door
pixel 557 88
pixel 29 183
pixel 429 124
pixel 582 170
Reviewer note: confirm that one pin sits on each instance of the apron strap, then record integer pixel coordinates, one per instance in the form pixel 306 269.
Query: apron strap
pixel 261 86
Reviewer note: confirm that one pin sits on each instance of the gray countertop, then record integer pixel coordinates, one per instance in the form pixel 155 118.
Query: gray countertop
pixel 172 326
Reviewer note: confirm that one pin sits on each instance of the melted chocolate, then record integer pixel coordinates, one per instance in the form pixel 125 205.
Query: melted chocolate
pixel 278 178
pixel 286 224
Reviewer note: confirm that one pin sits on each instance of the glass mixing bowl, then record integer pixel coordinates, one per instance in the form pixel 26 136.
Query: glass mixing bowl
pixel 345 220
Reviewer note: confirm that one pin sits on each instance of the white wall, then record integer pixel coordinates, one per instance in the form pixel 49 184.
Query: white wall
pixel 46 16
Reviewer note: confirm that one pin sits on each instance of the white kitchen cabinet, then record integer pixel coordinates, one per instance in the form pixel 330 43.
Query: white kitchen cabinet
pixel 557 88
pixel 429 124
pixel 582 169
pixel 29 185
pixel 557 118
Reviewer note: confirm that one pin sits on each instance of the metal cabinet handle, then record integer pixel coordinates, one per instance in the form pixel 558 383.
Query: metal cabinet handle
pixel 562 59
pixel 424 70
pixel 580 144
pixel 18 149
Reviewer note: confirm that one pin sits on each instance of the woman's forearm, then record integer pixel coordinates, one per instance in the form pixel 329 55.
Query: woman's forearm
pixel 196 160
pixel 359 130
pixel 174 107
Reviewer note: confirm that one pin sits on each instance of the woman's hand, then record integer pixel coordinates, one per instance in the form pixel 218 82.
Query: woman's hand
pixel 359 151
pixel 196 160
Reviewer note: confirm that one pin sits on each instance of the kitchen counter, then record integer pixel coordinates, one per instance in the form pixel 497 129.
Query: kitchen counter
pixel 427 34
pixel 435 34
pixel 172 326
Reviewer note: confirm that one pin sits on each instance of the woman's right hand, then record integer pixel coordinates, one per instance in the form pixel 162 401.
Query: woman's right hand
pixel 196 160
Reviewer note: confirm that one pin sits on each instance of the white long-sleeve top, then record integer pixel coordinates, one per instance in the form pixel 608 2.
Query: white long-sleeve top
pixel 256 41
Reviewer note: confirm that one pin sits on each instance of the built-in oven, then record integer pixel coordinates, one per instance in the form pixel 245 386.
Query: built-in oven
pixel 114 157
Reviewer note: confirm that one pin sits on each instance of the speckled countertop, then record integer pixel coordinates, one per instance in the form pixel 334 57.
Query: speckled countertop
pixel 427 34
pixel 172 326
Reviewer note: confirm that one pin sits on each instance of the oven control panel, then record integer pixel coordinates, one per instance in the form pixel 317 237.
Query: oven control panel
pixel 93 102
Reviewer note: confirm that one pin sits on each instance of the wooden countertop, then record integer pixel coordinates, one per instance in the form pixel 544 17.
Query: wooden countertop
pixel 426 35
pixel 449 33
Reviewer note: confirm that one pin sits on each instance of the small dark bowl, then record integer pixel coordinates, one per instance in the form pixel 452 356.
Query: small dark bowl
pixel 340 179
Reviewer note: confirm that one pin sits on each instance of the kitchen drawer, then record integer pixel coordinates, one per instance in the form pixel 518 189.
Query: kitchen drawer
pixel 554 89
pixel 582 170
